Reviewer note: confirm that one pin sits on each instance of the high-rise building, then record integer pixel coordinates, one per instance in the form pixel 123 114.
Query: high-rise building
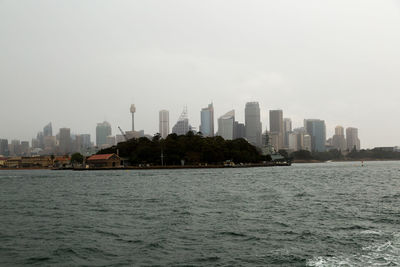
pixel 15 148
pixel 102 131
pixel 239 130
pixel 226 125
pixel 300 132
pixel 253 123
pixel 110 140
pixel 86 143
pixel 163 123
pixel 4 147
pixel 65 140
pixel 317 130
pixel 182 126
pixel 207 121
pixel 338 139
pixel 276 128
pixel 24 148
pixel 353 142
pixel 48 130
pixel 307 142
pixel 292 141
pixel 287 129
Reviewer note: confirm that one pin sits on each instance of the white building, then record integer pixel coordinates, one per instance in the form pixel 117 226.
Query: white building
pixel 226 125
pixel 164 123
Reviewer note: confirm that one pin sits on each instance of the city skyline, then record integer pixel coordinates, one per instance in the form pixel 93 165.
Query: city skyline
pixel 336 61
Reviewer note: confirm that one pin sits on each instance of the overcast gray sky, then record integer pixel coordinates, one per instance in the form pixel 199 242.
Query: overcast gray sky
pixel 76 63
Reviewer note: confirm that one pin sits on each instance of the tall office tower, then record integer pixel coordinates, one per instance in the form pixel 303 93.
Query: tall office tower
pixel 65 140
pixel 163 123
pixel 207 121
pixel 307 142
pixel 48 130
pixel 24 148
pixel 102 131
pixel 353 142
pixel 239 130
pixel 40 139
pixel 253 123
pixel 182 126
pixel 317 130
pixel 276 128
pixel 4 147
pixel 133 110
pixel 14 148
pixel 292 141
pixel 226 125
pixel 85 141
pixel 287 129
pixel 338 139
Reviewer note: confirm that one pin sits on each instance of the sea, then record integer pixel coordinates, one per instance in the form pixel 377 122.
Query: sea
pixel 327 214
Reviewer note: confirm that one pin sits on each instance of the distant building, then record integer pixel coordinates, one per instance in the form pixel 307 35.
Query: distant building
pixel 300 132
pixel 252 123
pixel 182 126
pixel 239 130
pixel 207 121
pixel 102 131
pixel 4 147
pixel 65 140
pixel 24 148
pixel 307 142
pixel 226 124
pixel 353 142
pixel 15 148
pixel 276 128
pixel 287 129
pixel 110 140
pixel 163 123
pixel 338 139
pixel 292 141
pixel 48 130
pixel 317 130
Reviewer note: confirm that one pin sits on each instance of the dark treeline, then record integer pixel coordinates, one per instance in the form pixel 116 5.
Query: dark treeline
pixel 334 154
pixel 192 148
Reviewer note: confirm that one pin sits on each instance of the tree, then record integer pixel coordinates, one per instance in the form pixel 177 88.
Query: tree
pixel 77 158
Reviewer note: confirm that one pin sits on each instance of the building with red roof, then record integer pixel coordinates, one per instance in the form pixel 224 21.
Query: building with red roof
pixel 104 161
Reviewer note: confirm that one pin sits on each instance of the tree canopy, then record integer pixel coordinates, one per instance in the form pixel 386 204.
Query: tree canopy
pixel 192 148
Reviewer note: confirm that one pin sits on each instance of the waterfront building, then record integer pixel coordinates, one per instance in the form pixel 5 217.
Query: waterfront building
pixel 102 131
pixel 65 140
pixel 182 126
pixel 163 123
pixel 253 126
pixel 207 121
pixel 226 125
pixel 317 130
pixel 48 130
pixel 338 139
pixel 353 142
pixel 104 161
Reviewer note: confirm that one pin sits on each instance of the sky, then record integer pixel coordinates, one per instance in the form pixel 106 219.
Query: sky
pixel 77 63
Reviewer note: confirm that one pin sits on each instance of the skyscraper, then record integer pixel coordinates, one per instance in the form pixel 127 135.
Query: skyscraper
pixel 102 131
pixel 353 142
pixel 287 129
pixel 207 121
pixel 65 140
pixel 48 130
pixel 338 139
pixel 253 123
pixel 317 130
pixel 276 128
pixel 182 126
pixel 163 123
pixel 226 125
pixel 4 147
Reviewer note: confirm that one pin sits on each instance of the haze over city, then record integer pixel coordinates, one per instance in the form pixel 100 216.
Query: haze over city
pixel 77 64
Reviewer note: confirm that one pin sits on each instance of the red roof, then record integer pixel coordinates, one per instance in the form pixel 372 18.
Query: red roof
pixel 101 157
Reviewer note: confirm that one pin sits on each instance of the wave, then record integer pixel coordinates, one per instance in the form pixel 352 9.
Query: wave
pixel 382 254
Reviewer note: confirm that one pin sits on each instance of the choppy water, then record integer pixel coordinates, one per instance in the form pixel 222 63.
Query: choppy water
pixel 312 214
